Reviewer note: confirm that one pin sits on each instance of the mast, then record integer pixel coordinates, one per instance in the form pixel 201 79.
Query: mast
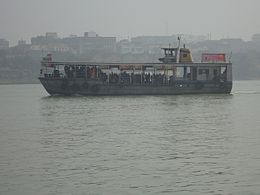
pixel 178 50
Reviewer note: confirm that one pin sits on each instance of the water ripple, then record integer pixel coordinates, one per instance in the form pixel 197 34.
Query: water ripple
pixel 195 144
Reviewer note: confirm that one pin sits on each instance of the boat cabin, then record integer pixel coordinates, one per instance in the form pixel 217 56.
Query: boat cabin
pixel 176 66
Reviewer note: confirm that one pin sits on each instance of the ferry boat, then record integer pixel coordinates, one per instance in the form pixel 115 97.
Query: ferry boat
pixel 176 73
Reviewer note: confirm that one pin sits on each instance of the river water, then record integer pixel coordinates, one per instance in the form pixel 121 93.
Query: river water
pixel 184 144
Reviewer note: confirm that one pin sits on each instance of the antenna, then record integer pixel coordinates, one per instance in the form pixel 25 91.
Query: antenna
pixel 179 41
pixel 178 49
pixel 230 56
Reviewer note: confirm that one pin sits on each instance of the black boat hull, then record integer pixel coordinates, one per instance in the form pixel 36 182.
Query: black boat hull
pixel 81 86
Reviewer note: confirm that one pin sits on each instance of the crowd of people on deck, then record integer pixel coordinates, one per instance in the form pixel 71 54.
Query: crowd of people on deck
pixel 138 78
pixel 92 72
pixel 124 77
pixel 75 71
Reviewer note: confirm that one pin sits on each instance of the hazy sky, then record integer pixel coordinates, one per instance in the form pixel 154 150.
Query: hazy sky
pixel 22 19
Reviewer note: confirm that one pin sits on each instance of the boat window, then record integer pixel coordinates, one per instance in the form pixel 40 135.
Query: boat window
pixel 215 72
pixel 188 72
pixel 179 72
pixel 223 69
pixel 203 71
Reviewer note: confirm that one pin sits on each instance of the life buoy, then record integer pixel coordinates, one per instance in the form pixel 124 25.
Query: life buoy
pixel 94 88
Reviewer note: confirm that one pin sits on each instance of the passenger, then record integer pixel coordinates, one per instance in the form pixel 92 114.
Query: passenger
pixel 99 73
pixel 103 77
pixel 164 79
pixel 152 79
pixel 142 78
pixel 149 78
pixel 66 70
pixel 94 72
pixel 83 71
pixel 132 78
pixel 224 75
pixel 77 72
pixel 88 72
pixel 56 73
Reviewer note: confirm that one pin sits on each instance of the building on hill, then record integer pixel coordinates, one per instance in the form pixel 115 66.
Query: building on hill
pixel 4 44
pixel 256 37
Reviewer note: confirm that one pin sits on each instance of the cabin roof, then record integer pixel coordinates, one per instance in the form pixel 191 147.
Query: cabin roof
pixel 208 64
pixel 170 49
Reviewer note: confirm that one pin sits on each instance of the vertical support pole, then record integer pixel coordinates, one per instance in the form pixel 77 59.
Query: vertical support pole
pixel 141 74
pixel 185 72
pixel 229 72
